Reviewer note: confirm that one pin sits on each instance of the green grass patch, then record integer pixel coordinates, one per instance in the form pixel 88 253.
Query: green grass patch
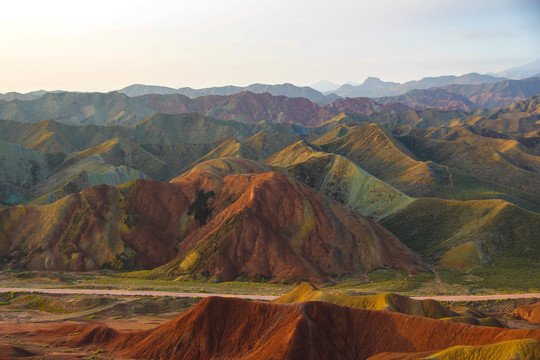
pixel 386 281
pixel 507 277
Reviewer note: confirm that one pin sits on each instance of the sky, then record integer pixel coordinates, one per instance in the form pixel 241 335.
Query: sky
pixel 106 45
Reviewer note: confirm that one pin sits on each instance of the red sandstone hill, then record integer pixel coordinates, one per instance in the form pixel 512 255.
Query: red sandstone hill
pixel 225 328
pixel 528 312
pixel 209 222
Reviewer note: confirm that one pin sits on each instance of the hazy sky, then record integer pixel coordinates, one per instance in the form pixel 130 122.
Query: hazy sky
pixel 106 45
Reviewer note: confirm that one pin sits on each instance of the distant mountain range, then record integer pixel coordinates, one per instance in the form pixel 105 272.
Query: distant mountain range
pixel 119 109
pixel 469 97
pixel 374 87
pixel 9 96
pixel 521 72
pixel 324 86
pixel 288 90
pixel 325 92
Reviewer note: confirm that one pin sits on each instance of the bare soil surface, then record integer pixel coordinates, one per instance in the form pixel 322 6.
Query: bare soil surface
pixel 23 315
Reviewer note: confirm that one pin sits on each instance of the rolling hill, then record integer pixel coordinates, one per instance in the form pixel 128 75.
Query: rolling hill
pixel 205 222
pixel 308 330
pixel 340 179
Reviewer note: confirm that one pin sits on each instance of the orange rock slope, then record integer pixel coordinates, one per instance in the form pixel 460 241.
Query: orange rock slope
pixel 219 328
pixel 225 218
pixel 530 313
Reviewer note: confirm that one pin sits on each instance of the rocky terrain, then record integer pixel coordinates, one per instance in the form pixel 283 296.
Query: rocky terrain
pixel 235 328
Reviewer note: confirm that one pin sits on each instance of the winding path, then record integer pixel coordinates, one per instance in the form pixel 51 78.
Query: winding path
pixel 250 297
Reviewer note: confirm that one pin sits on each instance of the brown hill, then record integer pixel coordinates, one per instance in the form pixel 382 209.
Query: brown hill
pixel 250 107
pixel 469 96
pixel 218 328
pixel 298 233
pixel 255 225
pixel 529 312
pixel 529 106
pixel 499 94
pixel 431 98
pixel 365 106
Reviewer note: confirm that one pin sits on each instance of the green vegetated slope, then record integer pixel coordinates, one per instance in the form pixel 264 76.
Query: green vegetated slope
pixel 30 175
pixel 11 194
pixel 377 152
pixel 82 175
pixel 22 166
pixel 517 349
pixel 496 160
pixel 228 148
pixel 73 158
pixel 467 234
pixel 341 179
pixel 51 136
pixel 512 349
pixel 159 165
pixel 382 155
pixel 76 108
pixel 387 301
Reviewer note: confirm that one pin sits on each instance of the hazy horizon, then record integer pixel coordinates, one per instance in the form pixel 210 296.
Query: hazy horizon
pixel 105 46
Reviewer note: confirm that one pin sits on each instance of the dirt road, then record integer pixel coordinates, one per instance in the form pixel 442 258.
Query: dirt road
pixel 133 293
pixel 251 297
pixel 478 297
